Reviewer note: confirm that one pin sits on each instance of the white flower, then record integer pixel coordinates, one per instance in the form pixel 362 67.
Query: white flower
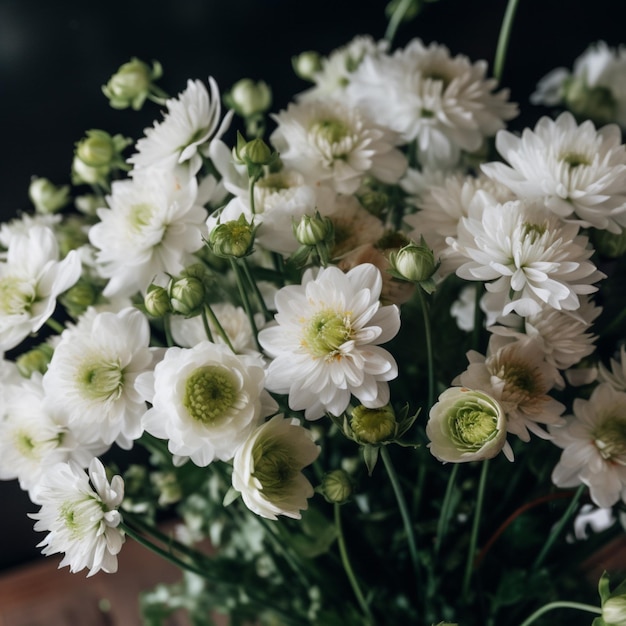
pixel 529 253
pixel 578 171
pixel 325 341
pixel 594 446
pixel 92 372
pixel 205 401
pixel 23 224
pixel 34 435
pixel 466 425
pixel 31 278
pixel 445 104
pixel 190 122
pixel 267 468
pixel 152 227
pixel 616 377
pixel 81 518
pixel 329 141
pixel 519 378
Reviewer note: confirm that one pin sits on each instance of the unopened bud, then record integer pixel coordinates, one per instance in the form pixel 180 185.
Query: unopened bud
pixel 373 425
pixel 248 98
pixel 313 230
pixel 254 154
pixel 46 196
pixel 35 360
pixel 157 301
pixel 336 486
pixel 414 263
pixel 232 239
pixel 132 84
pixel 186 295
pixel 306 64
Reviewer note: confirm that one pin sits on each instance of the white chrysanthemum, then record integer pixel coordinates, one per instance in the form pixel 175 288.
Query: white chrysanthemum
pixel 34 435
pixel 325 342
pixel 267 468
pixel 519 378
pixel 594 446
pixel 616 376
pixel 578 171
pixel 81 514
pixel 189 331
pixel 92 373
pixel 331 142
pixel 441 209
pixel 152 227
pixel 205 401
pixel 191 121
pixel 531 256
pixel 26 221
pixel 445 104
pixel 31 278
pixel 596 88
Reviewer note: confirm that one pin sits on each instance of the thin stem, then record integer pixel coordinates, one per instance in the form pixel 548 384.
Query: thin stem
pixel 478 317
pixel 503 39
pixel 345 560
pixel 444 515
pixel 396 19
pixel 469 566
pixel 257 291
pixel 56 326
pixel 167 329
pixel 205 323
pixel 243 294
pixel 561 605
pixel 220 329
pixel 556 531
pixel 429 346
pixel 404 510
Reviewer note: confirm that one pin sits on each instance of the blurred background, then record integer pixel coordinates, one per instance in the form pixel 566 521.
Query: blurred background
pixel 55 56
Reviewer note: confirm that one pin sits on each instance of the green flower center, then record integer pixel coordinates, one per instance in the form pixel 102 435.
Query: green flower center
pixel 326 332
pixel 25 445
pixel 275 467
pixel 210 393
pixel 472 424
pixel 574 159
pixel 373 425
pixel 534 231
pixel 16 295
pixel 139 215
pixel 332 131
pixel 101 380
pixel 610 439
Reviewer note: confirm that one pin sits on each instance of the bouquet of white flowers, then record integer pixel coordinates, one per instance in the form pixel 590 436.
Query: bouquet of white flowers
pixel 370 346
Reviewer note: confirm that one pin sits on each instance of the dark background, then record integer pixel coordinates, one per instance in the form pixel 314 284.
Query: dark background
pixel 56 54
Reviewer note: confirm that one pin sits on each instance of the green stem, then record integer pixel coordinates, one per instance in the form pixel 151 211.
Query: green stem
pixel 167 329
pixel 396 19
pixel 205 323
pixel 478 317
pixel 56 326
pixel 220 329
pixel 257 291
pixel 404 510
pixel 429 346
pixel 503 39
pixel 556 531
pixel 348 567
pixel 561 605
pixel 471 553
pixel 243 294
pixel 444 515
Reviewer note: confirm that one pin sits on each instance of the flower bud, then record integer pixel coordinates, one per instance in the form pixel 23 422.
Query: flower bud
pixel 254 154
pixel 88 204
pixel 336 486
pixel 373 425
pixel 375 202
pixel 466 425
pixel 46 196
pixel 614 611
pixel 414 263
pixel 306 64
pixel 131 84
pixel 157 301
pixel 232 239
pixel 81 295
pixel 186 295
pixel 608 244
pixel 312 230
pixel 248 98
pixel 35 360
pixel 96 156
pixel 595 103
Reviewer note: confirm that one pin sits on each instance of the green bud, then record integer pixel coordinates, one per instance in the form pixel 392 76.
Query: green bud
pixel 35 360
pixel 81 295
pixel 373 425
pixel 232 239
pixel 254 154
pixel 613 603
pixel 375 202
pixel 414 263
pixel 313 230
pixel 307 64
pixel 608 244
pixel 46 196
pixel 248 98
pixel 186 295
pixel 157 301
pixel 88 204
pixel 595 103
pixel 132 84
pixel 168 486
pixel 336 486
pixel 96 156
pixel 96 149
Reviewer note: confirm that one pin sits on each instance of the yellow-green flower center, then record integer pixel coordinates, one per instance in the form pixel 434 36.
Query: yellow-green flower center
pixel 16 295
pixel 326 332
pixel 210 394
pixel 534 231
pixel 25 445
pixel 610 439
pixel 574 159
pixel 275 467
pixel 332 131
pixel 472 424
pixel 101 380
pixel 139 215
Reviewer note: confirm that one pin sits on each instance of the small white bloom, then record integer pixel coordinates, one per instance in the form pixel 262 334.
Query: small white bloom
pixel 152 226
pixel 81 514
pixel 594 446
pixel 31 279
pixel 466 425
pixel 531 256
pixel 205 401
pixel 325 344
pixel 23 224
pixel 267 468
pixel 92 372
pixel 578 171
pixel 331 142
pixel 616 376
pixel 191 121
pixel 516 374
